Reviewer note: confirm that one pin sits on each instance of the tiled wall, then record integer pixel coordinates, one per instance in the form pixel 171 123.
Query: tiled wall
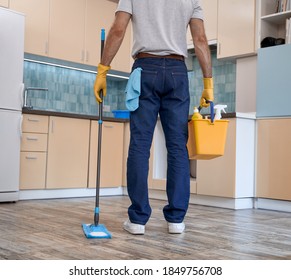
pixel 71 90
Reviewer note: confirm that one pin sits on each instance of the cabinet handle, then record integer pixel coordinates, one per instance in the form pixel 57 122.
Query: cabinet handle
pixel 46 47
pixel 83 55
pixel 108 126
pixel 87 56
pixel 31 139
pixel 33 120
pixel 219 48
pixel 30 158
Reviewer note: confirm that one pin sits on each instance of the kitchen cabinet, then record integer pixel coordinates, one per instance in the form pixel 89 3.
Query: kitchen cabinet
pixel 102 18
pixel 33 153
pixel 271 22
pixel 273 82
pixel 210 14
pixel 236 34
pixel 273 159
pixel 4 3
pixel 126 140
pixel 216 177
pixel 70 30
pixel 111 154
pixel 36 24
pixel 66 29
pixel 231 175
pixel 210 8
pixel 68 153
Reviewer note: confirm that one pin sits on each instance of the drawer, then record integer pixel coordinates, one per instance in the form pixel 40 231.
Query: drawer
pixel 35 123
pixel 34 142
pixel 32 170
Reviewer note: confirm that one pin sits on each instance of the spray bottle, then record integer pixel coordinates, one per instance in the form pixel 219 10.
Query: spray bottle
pixel 196 115
pixel 218 108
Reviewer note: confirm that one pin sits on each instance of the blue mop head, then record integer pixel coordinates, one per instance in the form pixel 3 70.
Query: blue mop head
pixel 99 231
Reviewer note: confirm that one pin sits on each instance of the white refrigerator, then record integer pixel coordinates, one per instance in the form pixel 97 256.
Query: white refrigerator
pixel 11 100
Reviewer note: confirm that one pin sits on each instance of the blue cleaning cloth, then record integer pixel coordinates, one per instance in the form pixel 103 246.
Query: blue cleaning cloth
pixel 132 90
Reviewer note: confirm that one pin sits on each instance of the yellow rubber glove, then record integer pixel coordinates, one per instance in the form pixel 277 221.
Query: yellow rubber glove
pixel 100 81
pixel 207 94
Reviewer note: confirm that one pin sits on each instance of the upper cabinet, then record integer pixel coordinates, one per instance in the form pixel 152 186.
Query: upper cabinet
pixel 101 17
pixel 210 22
pixel 67 25
pixel 70 30
pixel 232 25
pixel 210 18
pixel 36 24
pixel 273 19
pixel 236 34
pixel 4 3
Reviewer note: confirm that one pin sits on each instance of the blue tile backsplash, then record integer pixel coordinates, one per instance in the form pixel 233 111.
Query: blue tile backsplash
pixel 71 89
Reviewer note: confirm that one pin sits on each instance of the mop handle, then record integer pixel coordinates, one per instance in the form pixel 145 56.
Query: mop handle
pixel 100 121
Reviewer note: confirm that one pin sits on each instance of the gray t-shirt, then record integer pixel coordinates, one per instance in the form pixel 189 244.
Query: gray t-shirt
pixel 160 26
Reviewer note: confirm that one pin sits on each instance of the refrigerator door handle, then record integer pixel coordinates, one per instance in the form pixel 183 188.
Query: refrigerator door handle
pixel 21 95
pixel 20 126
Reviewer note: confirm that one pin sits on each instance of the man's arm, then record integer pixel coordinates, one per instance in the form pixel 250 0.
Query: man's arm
pixel 201 46
pixel 115 37
pixel 112 45
pixel 203 55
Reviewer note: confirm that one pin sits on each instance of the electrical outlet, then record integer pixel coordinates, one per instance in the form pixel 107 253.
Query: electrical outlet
pixel 106 108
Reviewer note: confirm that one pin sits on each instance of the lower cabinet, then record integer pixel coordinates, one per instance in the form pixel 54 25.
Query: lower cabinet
pixel 231 175
pixel 273 159
pixel 33 152
pixel 111 154
pixel 33 170
pixel 61 153
pixel 68 152
pixel 216 177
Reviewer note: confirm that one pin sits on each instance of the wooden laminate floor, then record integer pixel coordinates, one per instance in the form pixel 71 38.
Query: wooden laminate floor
pixel 51 229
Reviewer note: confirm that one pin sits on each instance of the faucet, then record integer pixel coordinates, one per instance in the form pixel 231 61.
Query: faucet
pixel 26 93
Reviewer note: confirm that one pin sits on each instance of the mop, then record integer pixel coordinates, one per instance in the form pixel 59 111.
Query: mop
pixel 97 230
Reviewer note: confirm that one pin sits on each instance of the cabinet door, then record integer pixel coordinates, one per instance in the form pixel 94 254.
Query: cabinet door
pixel 210 21
pixel 273 159
pixel 36 24
pixel 36 142
pixel 4 3
pixel 68 151
pixel 126 140
pixel 216 177
pixel 32 170
pixel 111 154
pixel 67 25
pixel 100 15
pixel 236 28
pixel 35 123
pixel 210 8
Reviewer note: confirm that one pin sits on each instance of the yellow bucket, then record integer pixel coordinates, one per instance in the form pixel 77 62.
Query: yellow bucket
pixel 206 139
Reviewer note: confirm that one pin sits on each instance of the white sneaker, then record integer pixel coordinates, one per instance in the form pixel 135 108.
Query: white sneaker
pixel 133 228
pixel 176 227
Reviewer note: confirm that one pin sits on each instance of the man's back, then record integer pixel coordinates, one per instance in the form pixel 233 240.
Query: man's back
pixel 160 26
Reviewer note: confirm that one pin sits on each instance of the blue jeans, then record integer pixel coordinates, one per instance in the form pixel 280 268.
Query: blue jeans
pixel 164 92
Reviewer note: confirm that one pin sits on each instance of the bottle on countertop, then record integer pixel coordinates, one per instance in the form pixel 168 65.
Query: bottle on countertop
pixel 218 108
pixel 196 115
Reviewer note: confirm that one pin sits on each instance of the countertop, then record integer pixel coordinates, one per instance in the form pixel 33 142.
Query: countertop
pixel 70 115
pixel 93 117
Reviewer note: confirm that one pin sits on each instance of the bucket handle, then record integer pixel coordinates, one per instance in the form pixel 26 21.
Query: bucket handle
pixel 211 110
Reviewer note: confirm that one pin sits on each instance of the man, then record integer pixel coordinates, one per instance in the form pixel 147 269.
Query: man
pixel 159 48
